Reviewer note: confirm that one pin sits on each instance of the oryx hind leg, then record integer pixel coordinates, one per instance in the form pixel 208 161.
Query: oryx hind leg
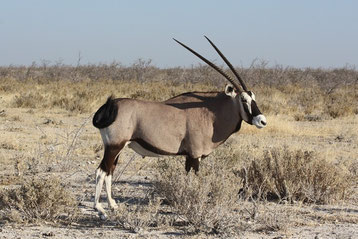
pixel 192 163
pixel 104 174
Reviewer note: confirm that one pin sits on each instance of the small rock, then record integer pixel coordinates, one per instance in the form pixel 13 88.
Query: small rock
pixel 48 234
pixel 48 121
pixel 339 138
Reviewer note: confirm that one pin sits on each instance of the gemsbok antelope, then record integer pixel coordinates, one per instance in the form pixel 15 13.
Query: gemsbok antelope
pixel 192 124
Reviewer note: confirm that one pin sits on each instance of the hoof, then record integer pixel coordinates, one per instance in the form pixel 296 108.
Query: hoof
pixel 101 213
pixel 113 205
pixel 103 217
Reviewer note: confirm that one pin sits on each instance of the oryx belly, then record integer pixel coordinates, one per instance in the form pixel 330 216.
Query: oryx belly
pixel 142 151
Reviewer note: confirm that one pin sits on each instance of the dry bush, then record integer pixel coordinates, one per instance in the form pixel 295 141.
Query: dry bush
pixel 77 102
pixel 295 175
pixel 267 217
pixel 38 200
pixel 73 97
pixel 139 216
pixel 29 100
pixel 341 102
pixel 143 71
pixel 206 202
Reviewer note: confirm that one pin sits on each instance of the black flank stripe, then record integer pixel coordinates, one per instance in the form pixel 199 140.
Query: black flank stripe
pixel 154 149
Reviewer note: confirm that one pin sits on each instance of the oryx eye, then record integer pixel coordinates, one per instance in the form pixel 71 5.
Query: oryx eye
pixel 244 100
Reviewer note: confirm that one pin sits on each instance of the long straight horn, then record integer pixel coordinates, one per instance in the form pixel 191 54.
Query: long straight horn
pixel 212 65
pixel 229 64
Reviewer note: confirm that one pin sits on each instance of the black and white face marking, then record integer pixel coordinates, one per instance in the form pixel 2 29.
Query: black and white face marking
pixel 251 113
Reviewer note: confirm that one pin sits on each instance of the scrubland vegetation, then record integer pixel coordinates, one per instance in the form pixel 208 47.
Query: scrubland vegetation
pixel 301 170
pixel 307 94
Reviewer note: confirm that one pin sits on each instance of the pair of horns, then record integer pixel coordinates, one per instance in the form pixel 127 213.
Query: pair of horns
pixel 216 67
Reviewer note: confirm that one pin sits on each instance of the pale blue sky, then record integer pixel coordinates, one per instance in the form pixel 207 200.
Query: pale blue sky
pixel 306 33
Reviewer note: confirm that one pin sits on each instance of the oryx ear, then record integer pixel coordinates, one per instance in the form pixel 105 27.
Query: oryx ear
pixel 230 91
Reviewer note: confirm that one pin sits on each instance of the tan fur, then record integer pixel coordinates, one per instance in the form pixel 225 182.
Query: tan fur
pixel 192 124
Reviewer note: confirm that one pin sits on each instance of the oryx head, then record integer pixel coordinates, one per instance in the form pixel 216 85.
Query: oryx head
pixel 248 109
pixel 244 98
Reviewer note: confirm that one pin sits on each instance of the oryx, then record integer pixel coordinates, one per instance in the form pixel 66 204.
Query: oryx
pixel 192 124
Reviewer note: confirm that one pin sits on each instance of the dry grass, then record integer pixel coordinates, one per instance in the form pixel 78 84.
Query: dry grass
pixel 279 90
pixel 296 175
pixel 36 200
pixel 85 96
pixel 135 218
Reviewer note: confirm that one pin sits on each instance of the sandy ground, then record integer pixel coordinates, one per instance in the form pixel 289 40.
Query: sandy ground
pixel 36 141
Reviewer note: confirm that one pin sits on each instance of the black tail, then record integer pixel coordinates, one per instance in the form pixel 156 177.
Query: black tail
pixel 106 114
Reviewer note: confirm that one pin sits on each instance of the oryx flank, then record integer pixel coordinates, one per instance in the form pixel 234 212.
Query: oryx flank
pixel 192 124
